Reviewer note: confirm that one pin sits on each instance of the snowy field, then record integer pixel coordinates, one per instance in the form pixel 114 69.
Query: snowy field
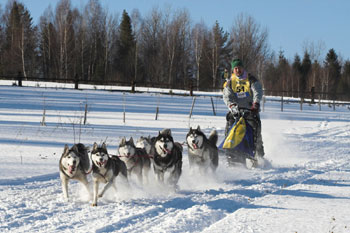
pixel 305 186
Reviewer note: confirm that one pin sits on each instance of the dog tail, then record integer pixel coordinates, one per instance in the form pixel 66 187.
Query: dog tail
pixel 213 137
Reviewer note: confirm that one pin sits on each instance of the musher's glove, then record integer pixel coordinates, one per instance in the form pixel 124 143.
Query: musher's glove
pixel 255 107
pixel 234 109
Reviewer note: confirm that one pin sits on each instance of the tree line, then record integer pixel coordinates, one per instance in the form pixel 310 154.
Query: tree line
pixel 162 48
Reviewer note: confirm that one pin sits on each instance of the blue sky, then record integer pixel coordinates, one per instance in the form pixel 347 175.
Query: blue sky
pixel 291 24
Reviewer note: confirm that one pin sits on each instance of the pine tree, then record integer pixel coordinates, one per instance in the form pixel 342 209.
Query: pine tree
pixel 272 78
pixel 333 71
pixel 296 71
pixel 283 72
pixel 305 72
pixel 219 52
pixel 126 46
pixel 20 41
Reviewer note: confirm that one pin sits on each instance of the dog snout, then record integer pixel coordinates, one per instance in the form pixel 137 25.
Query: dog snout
pixel 74 162
pixel 165 146
pixel 193 141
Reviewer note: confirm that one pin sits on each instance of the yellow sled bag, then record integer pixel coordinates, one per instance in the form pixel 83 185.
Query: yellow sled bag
pixel 236 134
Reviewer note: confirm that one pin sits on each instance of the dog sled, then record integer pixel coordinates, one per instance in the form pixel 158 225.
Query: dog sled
pixel 239 145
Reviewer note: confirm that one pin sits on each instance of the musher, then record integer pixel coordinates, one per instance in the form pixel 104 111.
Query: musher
pixel 243 90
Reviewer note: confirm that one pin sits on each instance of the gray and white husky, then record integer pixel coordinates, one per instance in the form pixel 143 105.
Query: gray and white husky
pixel 74 164
pixel 105 169
pixel 146 143
pixel 167 158
pixel 137 160
pixel 202 151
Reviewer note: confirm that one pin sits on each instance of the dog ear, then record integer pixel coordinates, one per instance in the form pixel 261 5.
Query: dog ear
pixel 94 147
pixel 153 140
pixel 104 146
pixel 66 149
pixel 198 128
pixel 123 141
pixel 166 132
pixel 131 140
pixel 75 148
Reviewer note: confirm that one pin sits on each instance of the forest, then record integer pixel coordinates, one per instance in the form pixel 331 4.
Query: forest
pixel 163 48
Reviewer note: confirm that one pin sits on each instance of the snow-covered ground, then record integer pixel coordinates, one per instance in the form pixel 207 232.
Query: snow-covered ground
pixel 305 186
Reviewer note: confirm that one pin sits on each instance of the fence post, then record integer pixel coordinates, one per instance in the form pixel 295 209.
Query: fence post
pixel 85 113
pixel 301 103
pixel 133 83
pixel 42 123
pixel 212 104
pixel 319 102
pixel 312 95
pixel 124 107
pixel 194 100
pixel 282 103
pixel 157 111
pixel 19 77
pixel 191 89
pixel 76 82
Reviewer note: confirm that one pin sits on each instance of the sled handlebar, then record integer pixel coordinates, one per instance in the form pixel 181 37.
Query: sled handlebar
pixel 244 112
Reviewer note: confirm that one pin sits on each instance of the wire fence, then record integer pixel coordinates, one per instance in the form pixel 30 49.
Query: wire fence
pixel 305 97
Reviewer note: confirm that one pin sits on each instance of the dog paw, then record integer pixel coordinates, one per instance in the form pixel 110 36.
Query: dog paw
pixel 100 195
pixel 94 204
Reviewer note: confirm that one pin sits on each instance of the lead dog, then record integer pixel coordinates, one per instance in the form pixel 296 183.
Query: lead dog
pixel 167 157
pixel 202 151
pixel 137 160
pixel 74 164
pixel 105 169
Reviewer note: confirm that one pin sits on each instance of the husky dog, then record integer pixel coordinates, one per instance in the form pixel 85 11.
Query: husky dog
pixel 167 157
pixel 137 160
pixel 105 169
pixel 74 164
pixel 201 150
pixel 145 143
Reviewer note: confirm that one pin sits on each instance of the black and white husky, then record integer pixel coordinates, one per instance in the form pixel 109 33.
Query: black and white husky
pixel 74 164
pixel 167 158
pixel 136 159
pixel 202 151
pixel 105 169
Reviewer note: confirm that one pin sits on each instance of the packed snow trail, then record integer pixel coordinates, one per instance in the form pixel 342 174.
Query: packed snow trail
pixel 304 189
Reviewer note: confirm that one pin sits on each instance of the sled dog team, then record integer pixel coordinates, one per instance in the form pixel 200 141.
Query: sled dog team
pixel 161 152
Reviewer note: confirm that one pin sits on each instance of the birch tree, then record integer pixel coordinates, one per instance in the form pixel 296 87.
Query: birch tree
pixel 249 42
pixel 198 37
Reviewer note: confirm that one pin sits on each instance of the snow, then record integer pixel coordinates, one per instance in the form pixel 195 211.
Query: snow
pixel 304 186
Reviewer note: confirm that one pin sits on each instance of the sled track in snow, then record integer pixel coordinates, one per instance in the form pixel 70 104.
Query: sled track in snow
pixel 39 200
